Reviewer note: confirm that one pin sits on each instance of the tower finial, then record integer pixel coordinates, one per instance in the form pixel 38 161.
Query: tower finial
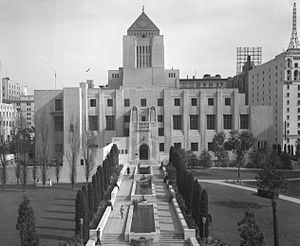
pixel 294 42
pixel 143 8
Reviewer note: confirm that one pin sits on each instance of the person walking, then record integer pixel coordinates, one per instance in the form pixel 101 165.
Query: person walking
pixel 128 170
pixel 122 211
pixel 98 237
pixel 110 204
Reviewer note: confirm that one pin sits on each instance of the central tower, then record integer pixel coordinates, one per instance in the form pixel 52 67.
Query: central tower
pixel 143 54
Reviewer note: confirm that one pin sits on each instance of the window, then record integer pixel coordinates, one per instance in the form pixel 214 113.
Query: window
pixel 210 146
pixel 81 162
pixel 211 122
pixel 227 101
pixel 287 94
pixel 288 102
pixel 298 117
pixel 177 101
pixel 298 125
pixel 58 148
pixel 126 102
pixel 161 147
pixel 58 105
pixel 110 102
pixel 161 132
pixel 177 122
pixel 194 122
pixel 244 121
pixel 126 132
pixel 143 117
pixel 287 117
pixel 160 102
pixel 288 110
pixel 177 145
pixel 227 121
pixel 58 123
pixel 28 104
pixel 194 101
pixel 143 102
pixel 194 146
pixel 93 122
pixel 160 118
pixel 110 122
pixel 210 102
pixel 92 102
pixel 298 110
pixel 126 118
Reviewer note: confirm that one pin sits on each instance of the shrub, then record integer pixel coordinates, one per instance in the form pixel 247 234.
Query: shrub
pixel 26 224
pixel 205 159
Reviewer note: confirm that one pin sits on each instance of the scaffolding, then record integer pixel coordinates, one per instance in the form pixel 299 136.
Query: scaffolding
pixel 243 53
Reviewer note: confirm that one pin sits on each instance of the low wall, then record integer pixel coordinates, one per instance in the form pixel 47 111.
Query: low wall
pixel 138 176
pixel 188 233
pixel 151 235
pixel 148 197
pixel 102 223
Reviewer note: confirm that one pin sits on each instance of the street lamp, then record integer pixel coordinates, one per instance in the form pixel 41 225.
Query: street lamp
pixel 203 227
pixel 81 225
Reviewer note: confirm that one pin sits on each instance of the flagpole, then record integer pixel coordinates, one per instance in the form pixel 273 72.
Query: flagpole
pixel 55 80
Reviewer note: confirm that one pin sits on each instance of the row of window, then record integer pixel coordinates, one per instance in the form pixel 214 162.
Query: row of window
pixel 160 102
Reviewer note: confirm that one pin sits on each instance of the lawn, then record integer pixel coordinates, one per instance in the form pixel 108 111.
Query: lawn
pixel 53 207
pixel 232 173
pixel 227 206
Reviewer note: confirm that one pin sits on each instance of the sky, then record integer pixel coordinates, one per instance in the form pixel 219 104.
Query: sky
pixel 39 37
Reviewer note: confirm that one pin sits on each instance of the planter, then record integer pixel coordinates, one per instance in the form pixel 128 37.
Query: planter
pixel 268 194
pixel 142 241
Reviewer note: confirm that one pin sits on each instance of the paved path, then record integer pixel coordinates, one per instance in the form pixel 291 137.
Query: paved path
pixel 222 182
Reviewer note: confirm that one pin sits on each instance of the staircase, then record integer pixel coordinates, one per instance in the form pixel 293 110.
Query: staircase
pixel 113 239
pixel 171 239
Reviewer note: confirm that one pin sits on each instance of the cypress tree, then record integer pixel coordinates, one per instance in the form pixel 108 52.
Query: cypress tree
pixel 197 194
pixel 203 213
pixel 101 184
pixel 26 224
pixel 191 192
pixel 94 182
pixel 91 201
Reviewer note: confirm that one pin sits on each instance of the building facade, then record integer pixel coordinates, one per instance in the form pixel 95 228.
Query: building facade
pixel 276 83
pixel 12 90
pixel 145 109
pixel 25 108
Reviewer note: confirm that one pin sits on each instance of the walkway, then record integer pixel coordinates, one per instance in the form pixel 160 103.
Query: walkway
pixel 171 233
pixel 222 182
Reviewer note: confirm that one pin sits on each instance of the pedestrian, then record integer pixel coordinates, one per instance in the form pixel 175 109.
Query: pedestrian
pixel 128 170
pixel 209 218
pixel 98 237
pixel 116 184
pixel 165 178
pixel 110 204
pixel 122 211
pixel 171 197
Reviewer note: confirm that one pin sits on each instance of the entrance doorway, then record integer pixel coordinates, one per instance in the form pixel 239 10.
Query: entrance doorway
pixel 144 152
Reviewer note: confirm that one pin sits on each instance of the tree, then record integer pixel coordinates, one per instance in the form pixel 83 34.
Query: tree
pixel 26 224
pixel 34 171
pixel 218 147
pixel 44 172
pixel 240 144
pixel 91 200
pixel 89 146
pixel 95 188
pixel 18 171
pixel 81 213
pixel 256 159
pixel 73 147
pixel 42 137
pixel 57 170
pixel 190 193
pixel 203 213
pixel 4 151
pixel 205 159
pixel 249 231
pixel 270 180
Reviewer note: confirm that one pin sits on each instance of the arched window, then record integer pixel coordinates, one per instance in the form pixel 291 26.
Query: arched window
pixel 296 75
pixel 289 75
pixel 289 63
pixel 134 114
pixel 152 114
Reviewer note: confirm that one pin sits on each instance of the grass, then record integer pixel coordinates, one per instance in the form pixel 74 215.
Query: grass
pixel 232 174
pixel 54 209
pixel 228 205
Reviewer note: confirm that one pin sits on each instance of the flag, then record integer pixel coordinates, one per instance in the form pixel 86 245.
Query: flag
pixel 55 74
pixel 88 70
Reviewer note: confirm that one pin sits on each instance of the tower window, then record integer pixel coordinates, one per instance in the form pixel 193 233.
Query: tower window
pixel 177 101
pixel 210 102
pixel 143 102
